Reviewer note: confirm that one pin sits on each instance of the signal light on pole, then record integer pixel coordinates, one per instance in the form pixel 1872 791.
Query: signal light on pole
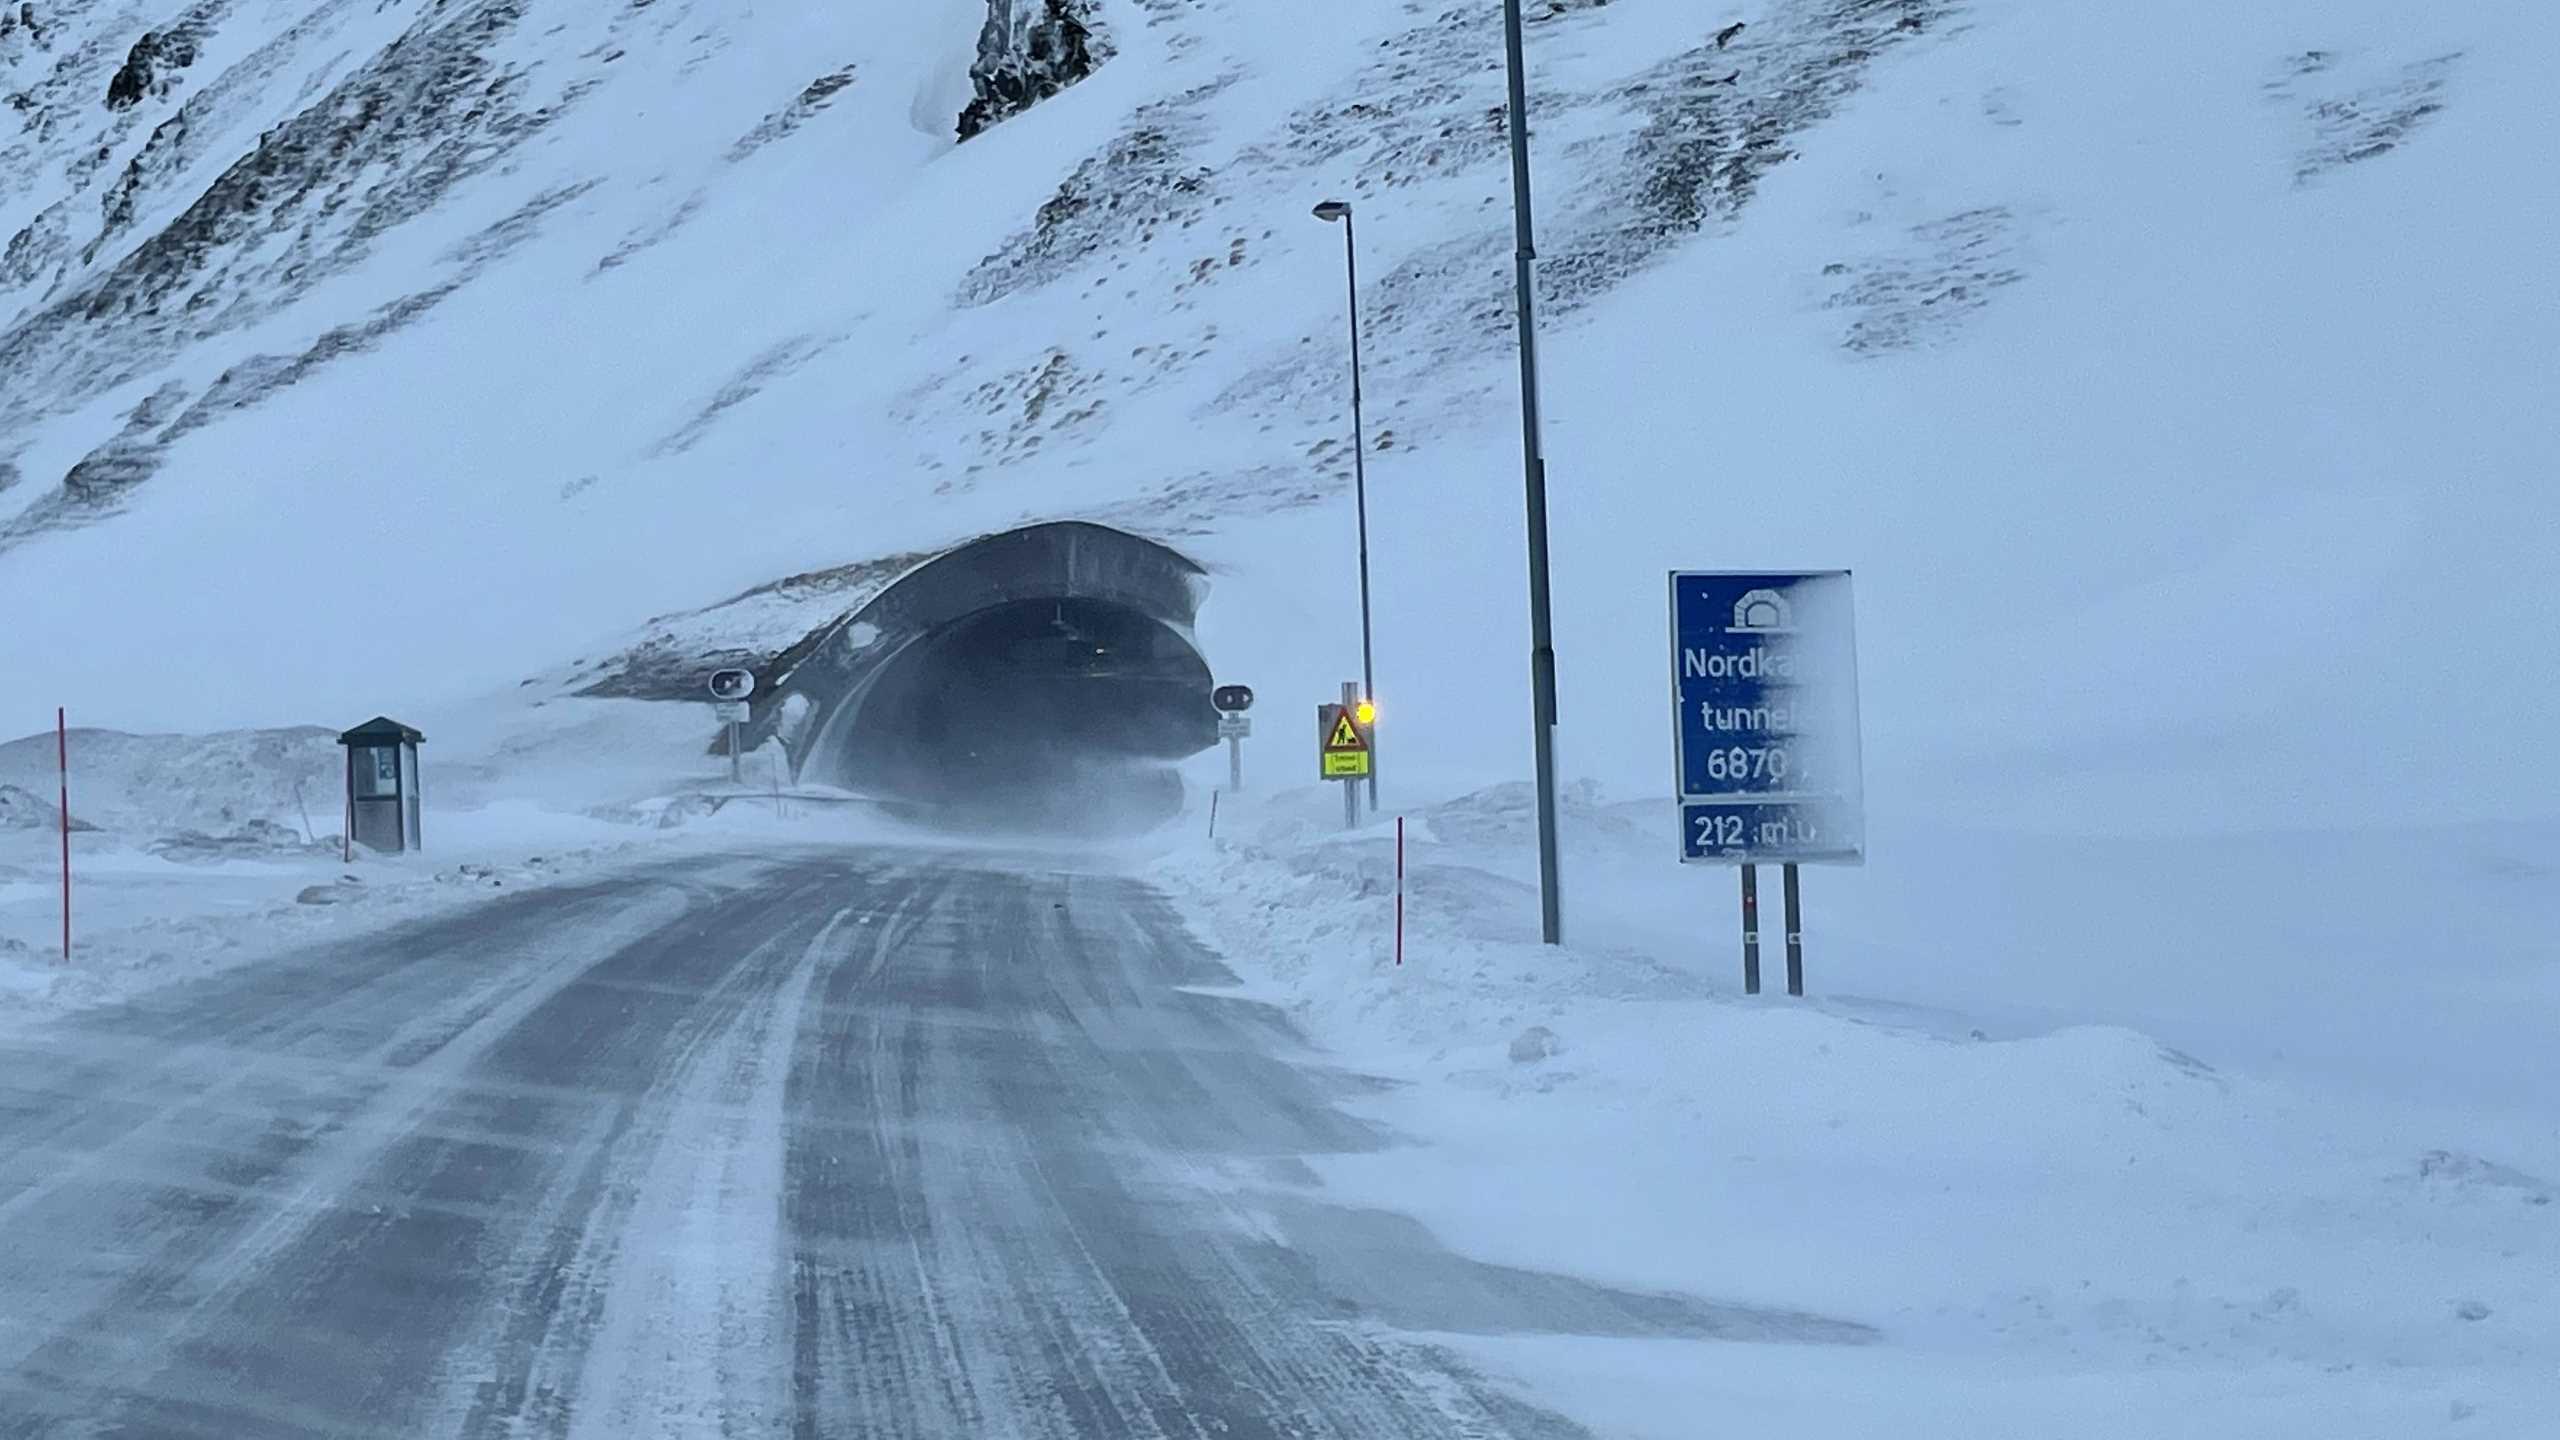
pixel 1367 713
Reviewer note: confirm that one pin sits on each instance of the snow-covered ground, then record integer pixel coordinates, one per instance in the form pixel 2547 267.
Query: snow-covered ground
pixel 2176 383
pixel 2059 1224
pixel 199 852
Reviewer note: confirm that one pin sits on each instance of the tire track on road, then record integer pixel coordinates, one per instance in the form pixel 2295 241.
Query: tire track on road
pixel 336 1315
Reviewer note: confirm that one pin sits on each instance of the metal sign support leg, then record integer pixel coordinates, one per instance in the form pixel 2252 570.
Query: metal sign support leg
pixel 1750 929
pixel 1795 936
pixel 736 761
pixel 1351 693
pixel 1235 764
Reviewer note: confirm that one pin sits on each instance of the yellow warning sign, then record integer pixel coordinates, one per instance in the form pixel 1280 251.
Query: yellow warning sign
pixel 1343 752
pixel 1345 736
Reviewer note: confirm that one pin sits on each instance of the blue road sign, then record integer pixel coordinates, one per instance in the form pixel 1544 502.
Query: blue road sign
pixel 1765 718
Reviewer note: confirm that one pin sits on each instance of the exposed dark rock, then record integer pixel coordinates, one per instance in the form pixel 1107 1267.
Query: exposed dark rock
pixel 151 66
pixel 1947 271
pixel 23 809
pixel 777 361
pixel 1028 51
pixel 101 478
pixel 2459 1169
pixel 40 246
pixel 1143 180
pixel 108 471
pixel 819 94
pixel 383 146
pixel 665 667
pixel 1710 139
pixel 132 457
pixel 133 81
pixel 2349 126
pixel 774 128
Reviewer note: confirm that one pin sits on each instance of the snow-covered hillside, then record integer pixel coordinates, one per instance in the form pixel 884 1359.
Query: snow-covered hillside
pixel 2178 388
pixel 2176 379
pixel 2175 385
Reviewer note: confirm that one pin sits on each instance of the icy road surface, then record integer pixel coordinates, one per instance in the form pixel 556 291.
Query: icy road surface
pixel 822 1144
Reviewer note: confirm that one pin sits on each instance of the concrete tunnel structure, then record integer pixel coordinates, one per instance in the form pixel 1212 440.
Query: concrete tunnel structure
pixel 1045 677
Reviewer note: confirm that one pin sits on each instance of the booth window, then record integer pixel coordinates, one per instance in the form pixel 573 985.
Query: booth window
pixel 378 773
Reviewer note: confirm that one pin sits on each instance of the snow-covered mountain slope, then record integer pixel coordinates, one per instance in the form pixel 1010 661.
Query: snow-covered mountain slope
pixel 2176 378
pixel 2177 386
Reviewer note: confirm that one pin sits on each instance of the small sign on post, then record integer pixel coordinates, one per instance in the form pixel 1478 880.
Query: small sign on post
pixel 1342 749
pixel 1231 701
pixel 729 692
pixel 1767 761
pixel 1345 754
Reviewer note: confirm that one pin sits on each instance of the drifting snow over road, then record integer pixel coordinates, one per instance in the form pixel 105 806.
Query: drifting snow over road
pixel 824 1145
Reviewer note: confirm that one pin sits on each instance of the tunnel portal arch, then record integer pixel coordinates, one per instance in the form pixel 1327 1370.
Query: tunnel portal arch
pixel 1021 675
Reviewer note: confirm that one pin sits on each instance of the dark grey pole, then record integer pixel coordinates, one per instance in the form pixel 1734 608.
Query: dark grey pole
pixel 1750 929
pixel 1795 936
pixel 1360 491
pixel 1542 646
pixel 1341 210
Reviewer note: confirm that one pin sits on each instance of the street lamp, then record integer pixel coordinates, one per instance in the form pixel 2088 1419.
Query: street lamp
pixel 1542 644
pixel 1330 211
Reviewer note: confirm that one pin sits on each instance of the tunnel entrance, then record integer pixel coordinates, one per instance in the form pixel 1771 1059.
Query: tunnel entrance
pixel 1040 680
pixel 1050 715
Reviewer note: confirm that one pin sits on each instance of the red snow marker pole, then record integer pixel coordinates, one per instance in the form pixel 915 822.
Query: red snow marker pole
pixel 1399 890
pixel 62 758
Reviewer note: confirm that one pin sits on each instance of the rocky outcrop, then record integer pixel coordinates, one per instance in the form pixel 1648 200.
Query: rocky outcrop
pixel 23 809
pixel 20 20
pixel 151 65
pixel 1028 51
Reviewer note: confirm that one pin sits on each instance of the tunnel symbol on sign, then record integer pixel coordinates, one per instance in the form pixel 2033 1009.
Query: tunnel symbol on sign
pixel 1763 612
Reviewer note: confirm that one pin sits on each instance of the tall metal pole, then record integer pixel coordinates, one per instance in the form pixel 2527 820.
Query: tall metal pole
pixel 1542 648
pixel 62 757
pixel 1360 489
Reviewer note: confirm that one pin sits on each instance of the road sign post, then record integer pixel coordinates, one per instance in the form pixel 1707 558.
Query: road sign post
pixel 1231 701
pixel 1750 929
pixel 1765 733
pixel 729 691
pixel 1342 750
pixel 1795 935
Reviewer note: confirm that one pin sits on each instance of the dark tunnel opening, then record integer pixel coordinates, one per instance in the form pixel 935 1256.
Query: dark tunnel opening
pixel 1056 715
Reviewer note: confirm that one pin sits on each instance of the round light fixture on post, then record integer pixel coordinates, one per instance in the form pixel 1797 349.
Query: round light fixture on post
pixel 1330 211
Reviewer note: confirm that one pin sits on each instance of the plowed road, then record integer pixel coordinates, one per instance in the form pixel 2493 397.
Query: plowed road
pixel 824 1144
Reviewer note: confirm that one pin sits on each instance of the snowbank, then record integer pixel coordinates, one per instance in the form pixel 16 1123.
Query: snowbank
pixel 2071 1225
pixel 194 853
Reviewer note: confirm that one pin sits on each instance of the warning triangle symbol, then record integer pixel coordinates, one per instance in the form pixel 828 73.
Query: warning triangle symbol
pixel 1345 736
